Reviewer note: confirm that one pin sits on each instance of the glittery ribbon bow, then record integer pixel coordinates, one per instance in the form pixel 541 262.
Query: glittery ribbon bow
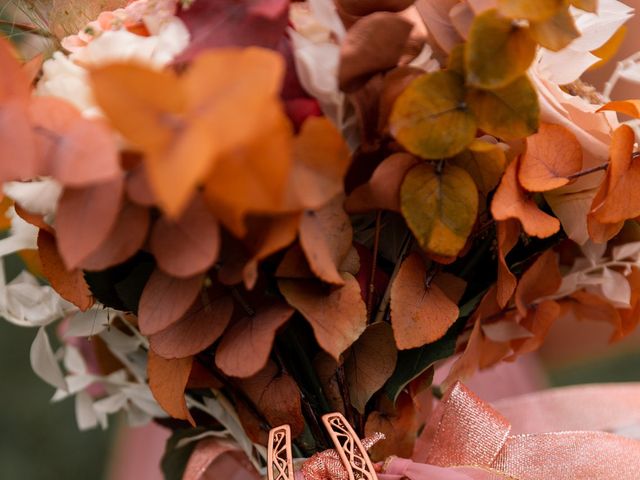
pixel 561 434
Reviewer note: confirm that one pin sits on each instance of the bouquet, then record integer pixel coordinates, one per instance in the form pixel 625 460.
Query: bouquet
pixel 244 214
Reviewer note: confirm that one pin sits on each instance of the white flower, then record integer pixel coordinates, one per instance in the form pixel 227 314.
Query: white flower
pixel 39 197
pixel 66 77
pixel 596 29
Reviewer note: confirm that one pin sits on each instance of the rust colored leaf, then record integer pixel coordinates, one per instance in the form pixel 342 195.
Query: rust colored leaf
pixel 552 156
pixel 190 244
pixel 508 233
pixel 479 352
pixel 266 236
pixel 200 326
pixel 246 345
pixel 374 43
pixel 33 218
pixel 167 381
pixel 125 239
pixel 369 363
pixel 538 321
pixel 326 236
pixel 583 305
pixel 421 312
pixel 511 201
pixel 541 279
pixel 276 396
pixel 399 424
pixel 165 300
pixel 382 191
pixel 619 197
pixel 338 316
pixel 70 284
pixel 78 151
pixel 85 218
pixel 138 188
pixel 294 264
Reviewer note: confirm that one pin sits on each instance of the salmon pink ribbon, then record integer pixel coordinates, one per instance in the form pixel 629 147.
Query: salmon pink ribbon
pixel 559 434
pixel 470 439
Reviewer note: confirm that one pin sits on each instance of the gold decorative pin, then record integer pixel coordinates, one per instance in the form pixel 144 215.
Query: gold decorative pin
pixel 349 447
pixel 279 456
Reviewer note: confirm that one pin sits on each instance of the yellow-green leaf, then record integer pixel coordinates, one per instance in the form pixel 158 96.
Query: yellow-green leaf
pixel 509 113
pixel 497 51
pixel 586 5
pixel 534 10
pixel 431 119
pixel 485 162
pixel 556 32
pixel 440 207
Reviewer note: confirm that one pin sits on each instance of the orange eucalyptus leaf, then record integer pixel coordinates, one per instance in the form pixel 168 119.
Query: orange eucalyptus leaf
pixel 620 187
pixel 583 305
pixel 628 107
pixel 246 345
pixel 360 8
pixel 70 284
pixel 5 204
pixel 165 300
pixel 508 233
pixel 321 160
pixel 34 219
pixel 338 315
pixel 511 201
pixel 85 218
pixel 200 326
pixel 421 312
pixel 167 381
pixel 382 191
pixel 552 155
pixel 538 321
pixel 326 236
pixel 223 104
pixel 189 244
pixel 541 279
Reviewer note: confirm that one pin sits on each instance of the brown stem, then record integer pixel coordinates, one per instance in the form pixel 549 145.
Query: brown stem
pixel 587 171
pixel 372 279
pixel 384 303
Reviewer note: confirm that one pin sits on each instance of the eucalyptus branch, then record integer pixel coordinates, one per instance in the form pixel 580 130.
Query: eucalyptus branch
pixel 372 279
pixel 587 171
